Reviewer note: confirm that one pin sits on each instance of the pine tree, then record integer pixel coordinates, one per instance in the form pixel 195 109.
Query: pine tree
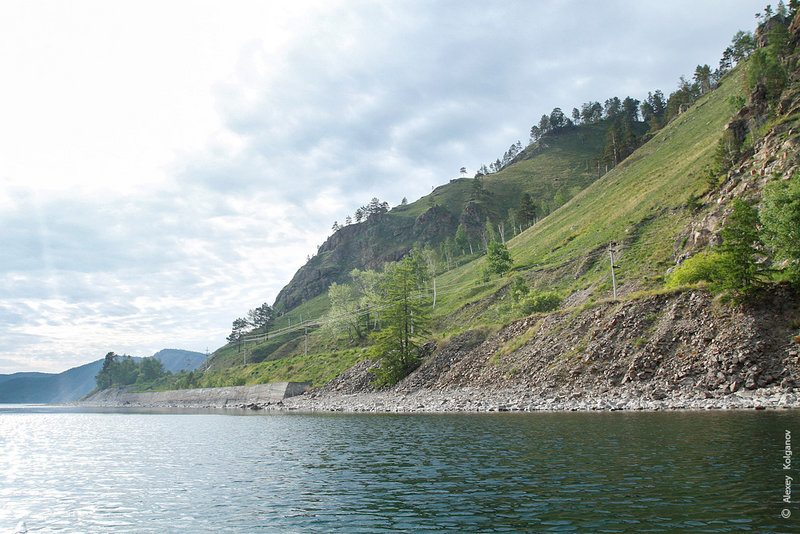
pixel 526 213
pixel 498 258
pixel 405 319
pixel 740 249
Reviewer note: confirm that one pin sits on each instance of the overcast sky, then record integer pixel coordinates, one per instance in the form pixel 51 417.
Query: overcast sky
pixel 165 166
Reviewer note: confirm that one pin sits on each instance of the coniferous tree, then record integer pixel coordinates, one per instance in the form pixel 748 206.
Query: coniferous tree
pixel 150 369
pixel 742 45
pixel 591 112
pixel 404 321
pixel 261 317
pixel 612 108
pixel 498 258
pixel 702 77
pixel 238 331
pixel 105 378
pixel 630 110
pixel 557 119
pixel 740 249
pixel 781 10
pixel 544 124
pixel 526 213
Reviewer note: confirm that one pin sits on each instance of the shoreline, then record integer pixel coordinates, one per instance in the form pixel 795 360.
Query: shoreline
pixel 476 400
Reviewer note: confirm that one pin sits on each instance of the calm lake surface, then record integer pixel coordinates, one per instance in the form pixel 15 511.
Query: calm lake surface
pixel 63 470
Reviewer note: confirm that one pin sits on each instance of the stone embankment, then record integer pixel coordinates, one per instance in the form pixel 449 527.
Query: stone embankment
pixel 255 396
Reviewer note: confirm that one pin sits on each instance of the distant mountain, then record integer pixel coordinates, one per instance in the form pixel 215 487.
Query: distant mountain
pixel 49 387
pixel 78 381
pixel 5 378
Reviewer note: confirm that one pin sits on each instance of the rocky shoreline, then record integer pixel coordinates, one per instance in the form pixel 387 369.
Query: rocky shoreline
pixel 476 400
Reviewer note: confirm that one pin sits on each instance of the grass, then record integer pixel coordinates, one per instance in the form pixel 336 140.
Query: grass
pixel 316 368
pixel 645 195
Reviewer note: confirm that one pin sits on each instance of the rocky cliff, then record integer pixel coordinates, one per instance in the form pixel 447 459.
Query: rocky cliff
pixel 369 244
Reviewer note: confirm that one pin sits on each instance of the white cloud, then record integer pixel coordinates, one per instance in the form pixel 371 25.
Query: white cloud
pixel 166 166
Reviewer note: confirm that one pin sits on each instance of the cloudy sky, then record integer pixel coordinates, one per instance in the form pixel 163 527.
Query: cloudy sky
pixel 167 165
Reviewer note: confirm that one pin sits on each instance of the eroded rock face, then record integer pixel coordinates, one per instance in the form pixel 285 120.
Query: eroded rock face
pixel 473 216
pixel 366 245
pixel 435 225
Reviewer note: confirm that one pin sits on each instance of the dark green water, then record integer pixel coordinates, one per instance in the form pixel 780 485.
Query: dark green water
pixel 603 472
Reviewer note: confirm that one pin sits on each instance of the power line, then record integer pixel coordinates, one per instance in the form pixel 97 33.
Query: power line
pixel 440 290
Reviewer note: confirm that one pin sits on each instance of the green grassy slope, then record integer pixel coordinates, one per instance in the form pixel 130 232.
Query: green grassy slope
pixel 641 204
pixel 552 170
pixel 558 165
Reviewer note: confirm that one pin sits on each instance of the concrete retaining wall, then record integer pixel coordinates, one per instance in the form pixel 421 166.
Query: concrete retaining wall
pixel 234 396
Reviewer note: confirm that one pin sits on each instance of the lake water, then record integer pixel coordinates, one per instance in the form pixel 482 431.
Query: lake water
pixel 62 470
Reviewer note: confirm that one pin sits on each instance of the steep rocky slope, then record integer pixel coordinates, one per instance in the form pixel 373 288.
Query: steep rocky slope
pixel 652 347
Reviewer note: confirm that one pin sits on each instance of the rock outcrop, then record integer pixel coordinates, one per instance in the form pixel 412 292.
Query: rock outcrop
pixel 369 244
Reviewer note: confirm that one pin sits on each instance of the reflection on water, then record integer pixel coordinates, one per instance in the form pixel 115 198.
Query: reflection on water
pixel 67 471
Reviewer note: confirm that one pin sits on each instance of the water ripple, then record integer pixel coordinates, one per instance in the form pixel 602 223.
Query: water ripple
pixel 137 472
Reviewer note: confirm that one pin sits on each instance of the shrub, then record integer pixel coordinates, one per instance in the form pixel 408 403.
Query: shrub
pixel 703 267
pixel 519 289
pixel 541 302
pixel 726 154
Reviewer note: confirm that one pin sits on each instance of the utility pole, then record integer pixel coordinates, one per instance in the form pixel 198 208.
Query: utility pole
pixel 306 330
pixel 613 278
